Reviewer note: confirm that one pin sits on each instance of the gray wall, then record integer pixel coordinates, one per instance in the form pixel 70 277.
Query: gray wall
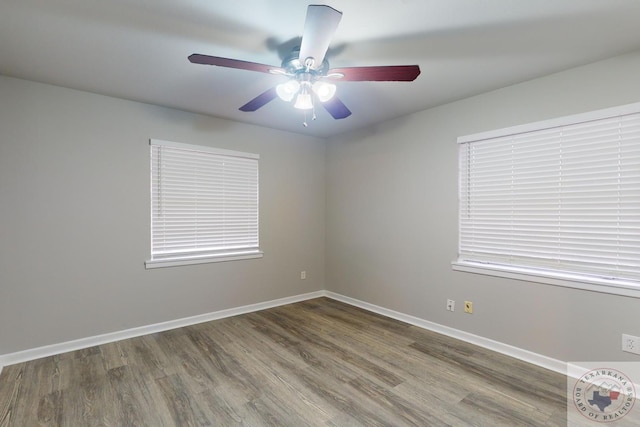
pixel 392 220
pixel 74 217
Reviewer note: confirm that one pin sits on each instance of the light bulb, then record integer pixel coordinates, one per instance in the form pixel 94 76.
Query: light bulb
pixel 325 91
pixel 287 90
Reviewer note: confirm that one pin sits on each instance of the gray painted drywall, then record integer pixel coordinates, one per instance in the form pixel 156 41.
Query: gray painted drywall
pixel 392 220
pixel 74 217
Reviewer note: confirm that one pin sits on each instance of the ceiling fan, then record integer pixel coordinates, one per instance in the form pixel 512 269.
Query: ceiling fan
pixel 308 70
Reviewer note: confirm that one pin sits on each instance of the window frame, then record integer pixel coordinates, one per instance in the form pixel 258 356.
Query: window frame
pixel 616 286
pixel 208 254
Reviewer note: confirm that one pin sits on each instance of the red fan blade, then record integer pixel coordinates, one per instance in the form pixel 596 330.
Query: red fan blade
pixel 319 26
pixel 260 100
pixel 336 108
pixel 197 58
pixel 390 73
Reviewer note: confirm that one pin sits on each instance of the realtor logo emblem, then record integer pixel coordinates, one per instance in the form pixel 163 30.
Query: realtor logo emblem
pixel 604 395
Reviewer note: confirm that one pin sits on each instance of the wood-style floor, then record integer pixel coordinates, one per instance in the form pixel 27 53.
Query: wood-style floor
pixel 314 363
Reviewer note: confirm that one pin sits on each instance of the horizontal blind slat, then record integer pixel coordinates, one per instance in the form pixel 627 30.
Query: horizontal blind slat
pixel 565 198
pixel 203 203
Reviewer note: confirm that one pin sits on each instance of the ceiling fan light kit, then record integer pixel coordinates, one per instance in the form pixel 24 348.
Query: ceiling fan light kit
pixel 303 91
pixel 308 70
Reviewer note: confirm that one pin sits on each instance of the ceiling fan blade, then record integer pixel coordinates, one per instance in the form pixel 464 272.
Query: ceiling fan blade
pixel 388 73
pixel 320 24
pixel 260 100
pixel 336 108
pixel 197 58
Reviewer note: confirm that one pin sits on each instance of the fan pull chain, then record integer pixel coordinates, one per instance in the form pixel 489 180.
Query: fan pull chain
pixel 313 114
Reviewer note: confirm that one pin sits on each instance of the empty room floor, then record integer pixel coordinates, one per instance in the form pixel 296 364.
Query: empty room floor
pixel 319 363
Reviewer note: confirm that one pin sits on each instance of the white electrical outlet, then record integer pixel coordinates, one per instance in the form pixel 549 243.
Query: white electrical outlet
pixel 303 275
pixel 451 305
pixel 630 344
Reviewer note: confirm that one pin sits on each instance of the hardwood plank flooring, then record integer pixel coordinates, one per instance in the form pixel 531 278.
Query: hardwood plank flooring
pixel 314 363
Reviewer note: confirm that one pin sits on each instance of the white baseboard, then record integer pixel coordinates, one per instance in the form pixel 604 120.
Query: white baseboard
pixel 509 350
pixel 570 369
pixel 50 350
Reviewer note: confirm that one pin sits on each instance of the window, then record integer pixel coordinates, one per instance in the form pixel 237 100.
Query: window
pixel 204 204
pixel 555 201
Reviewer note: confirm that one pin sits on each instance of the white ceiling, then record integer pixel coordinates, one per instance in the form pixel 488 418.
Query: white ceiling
pixel 137 49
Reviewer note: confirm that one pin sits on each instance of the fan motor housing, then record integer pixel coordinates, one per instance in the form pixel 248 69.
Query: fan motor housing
pixel 293 65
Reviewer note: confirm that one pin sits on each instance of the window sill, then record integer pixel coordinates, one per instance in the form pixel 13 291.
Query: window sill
pixel 176 262
pixel 614 287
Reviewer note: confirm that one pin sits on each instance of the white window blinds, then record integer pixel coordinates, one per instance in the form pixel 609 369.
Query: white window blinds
pixel 562 199
pixel 204 202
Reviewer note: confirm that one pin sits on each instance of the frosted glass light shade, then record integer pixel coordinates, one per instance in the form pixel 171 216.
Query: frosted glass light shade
pixel 324 91
pixel 304 101
pixel 286 91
